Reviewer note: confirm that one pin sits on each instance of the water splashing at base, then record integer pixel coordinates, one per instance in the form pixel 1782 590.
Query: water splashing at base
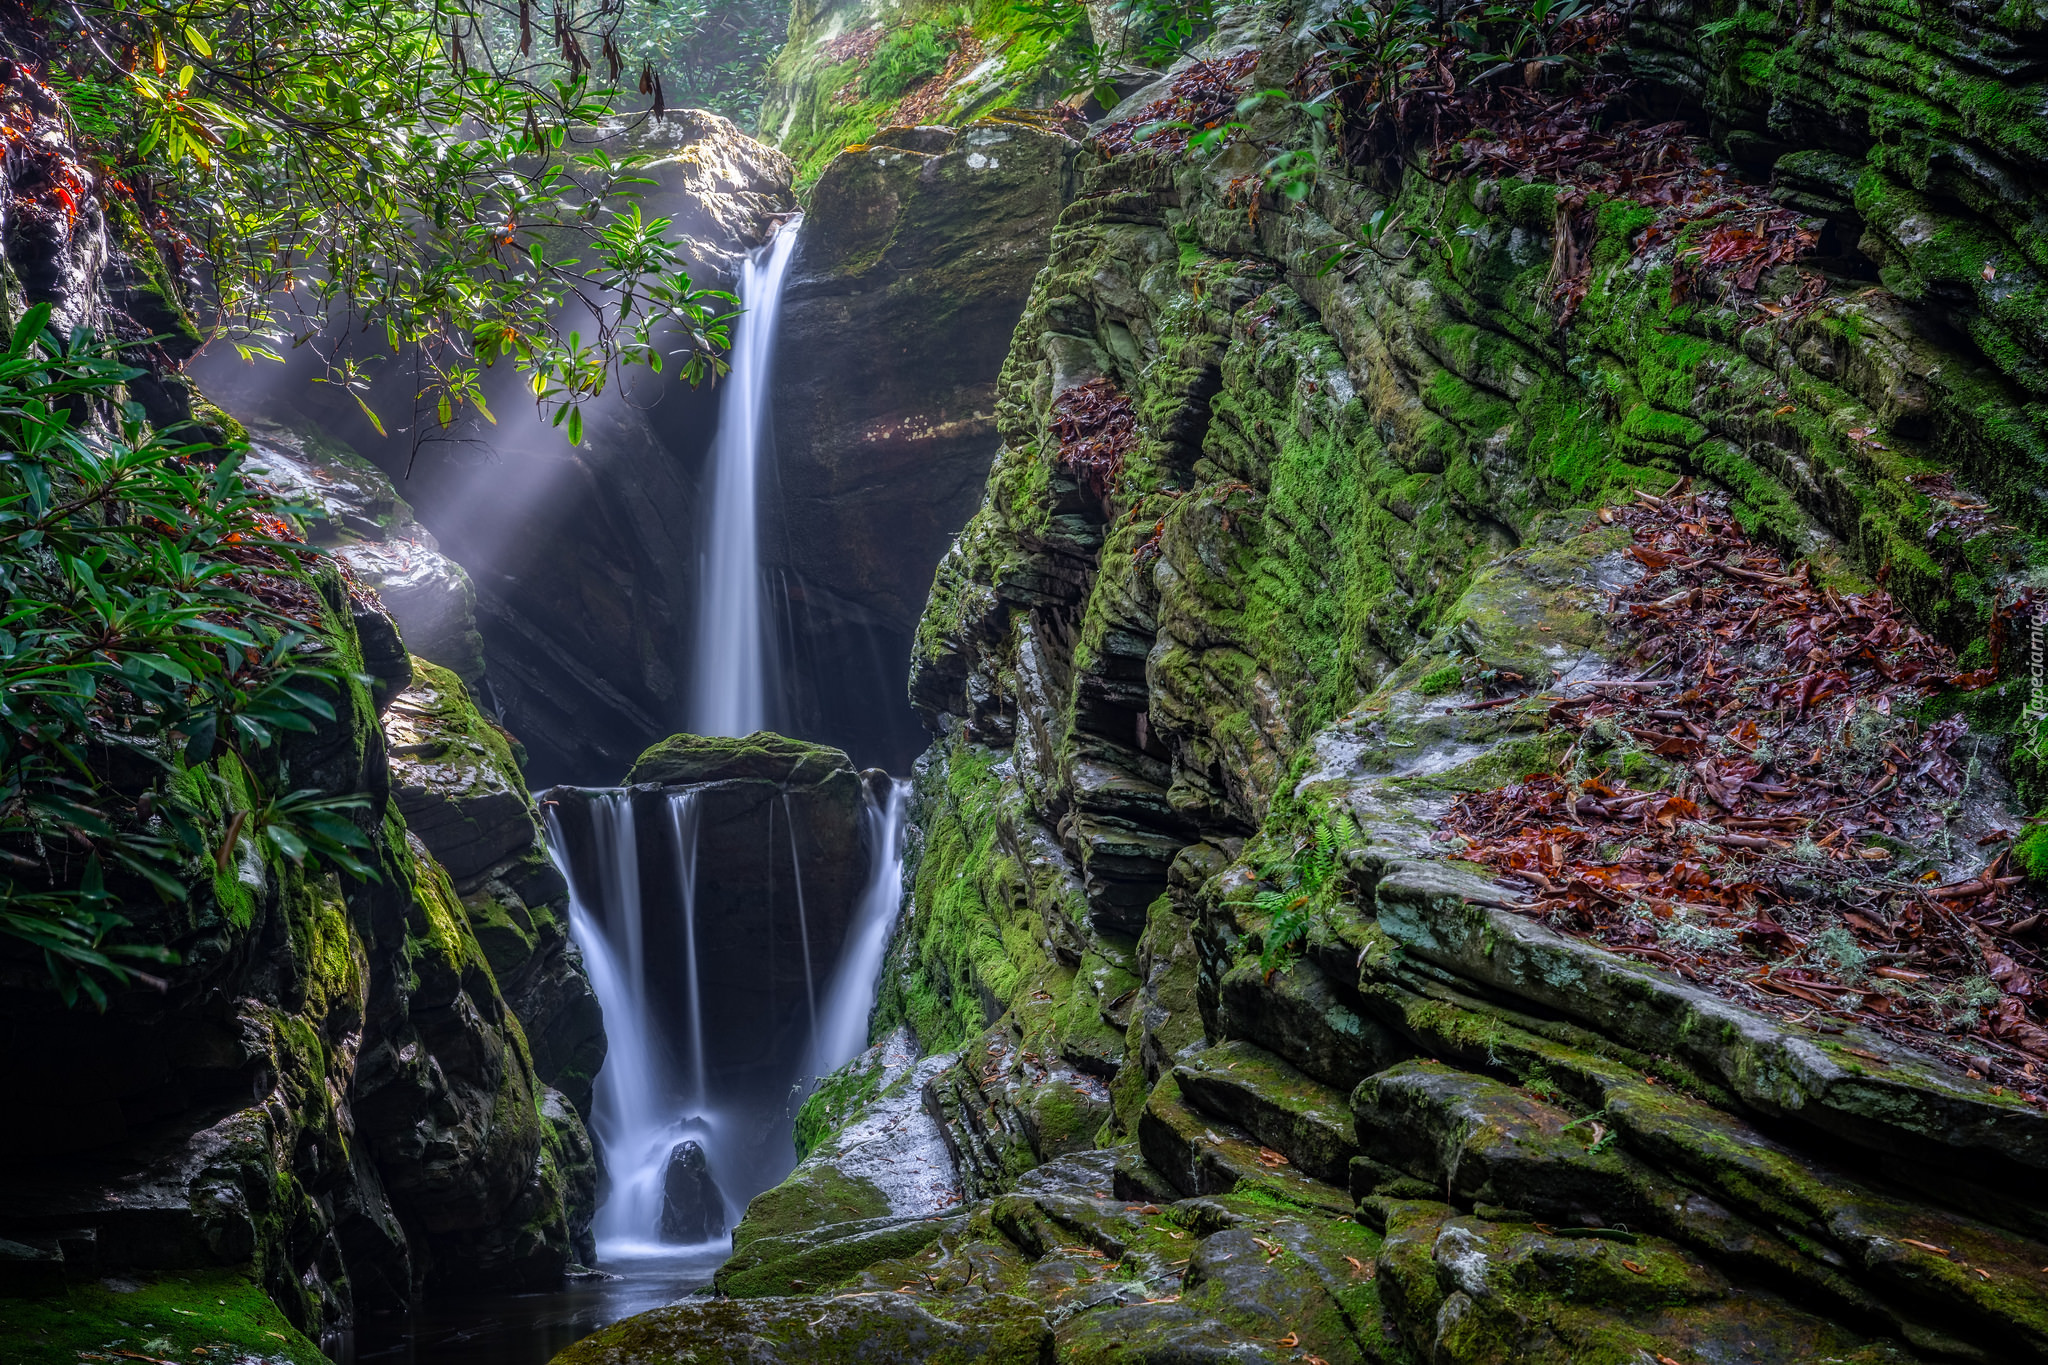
pixel 639 1115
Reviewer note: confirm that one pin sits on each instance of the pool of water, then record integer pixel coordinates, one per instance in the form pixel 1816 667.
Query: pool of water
pixel 528 1329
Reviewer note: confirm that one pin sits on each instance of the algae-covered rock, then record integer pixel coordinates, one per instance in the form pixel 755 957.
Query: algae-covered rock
pixel 872 1187
pixel 687 760
pixel 457 781
pixel 868 1329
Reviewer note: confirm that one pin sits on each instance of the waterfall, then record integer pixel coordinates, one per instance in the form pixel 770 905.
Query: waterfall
pixel 730 690
pixel 638 1117
pixel 842 1031
pixel 682 814
pixel 803 921
pixel 691 1110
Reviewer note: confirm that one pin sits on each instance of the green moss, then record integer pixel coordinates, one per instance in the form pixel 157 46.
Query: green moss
pixel 908 57
pixel 1437 683
pixel 836 1102
pixel 816 107
pixel 762 756
pixel 2031 852
pixel 815 1196
pixel 199 1315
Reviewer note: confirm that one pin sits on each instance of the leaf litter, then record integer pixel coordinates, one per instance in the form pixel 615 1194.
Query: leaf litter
pixel 1776 848
pixel 1097 426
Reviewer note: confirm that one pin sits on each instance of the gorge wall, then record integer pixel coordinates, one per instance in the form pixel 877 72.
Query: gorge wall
pixel 1319 526
pixel 344 1092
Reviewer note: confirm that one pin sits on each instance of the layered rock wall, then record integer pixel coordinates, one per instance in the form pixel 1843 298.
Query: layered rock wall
pixel 1233 1055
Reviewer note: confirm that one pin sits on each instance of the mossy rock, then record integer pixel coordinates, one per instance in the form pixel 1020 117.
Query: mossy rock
pixel 862 1329
pixel 684 760
pixel 1309 1123
pixel 195 1316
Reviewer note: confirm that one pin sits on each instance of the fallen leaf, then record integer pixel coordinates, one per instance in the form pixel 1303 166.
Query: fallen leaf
pixel 1291 1339
pixel 1925 1246
pixel 1637 1269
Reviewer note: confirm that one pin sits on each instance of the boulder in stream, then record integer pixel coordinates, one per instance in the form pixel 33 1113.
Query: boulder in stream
pixel 692 1208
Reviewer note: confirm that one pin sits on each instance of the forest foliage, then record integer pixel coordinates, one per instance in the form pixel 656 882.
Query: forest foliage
pixel 429 174
pixel 161 638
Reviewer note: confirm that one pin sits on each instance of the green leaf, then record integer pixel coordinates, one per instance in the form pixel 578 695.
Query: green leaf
pixel 33 324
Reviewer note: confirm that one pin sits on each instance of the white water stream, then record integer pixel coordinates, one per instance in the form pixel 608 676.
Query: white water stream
pixel 803 921
pixel 638 1118
pixel 730 688
pixel 652 1091
pixel 841 1033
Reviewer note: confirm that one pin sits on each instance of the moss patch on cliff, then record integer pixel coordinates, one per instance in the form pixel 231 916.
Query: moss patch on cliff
pixel 854 71
pixel 194 1316
pixel 953 970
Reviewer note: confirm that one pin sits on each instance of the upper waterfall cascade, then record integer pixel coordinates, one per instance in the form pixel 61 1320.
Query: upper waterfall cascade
pixel 729 693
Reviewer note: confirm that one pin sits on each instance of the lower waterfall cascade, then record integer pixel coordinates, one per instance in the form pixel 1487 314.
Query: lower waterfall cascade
pixel 657 1095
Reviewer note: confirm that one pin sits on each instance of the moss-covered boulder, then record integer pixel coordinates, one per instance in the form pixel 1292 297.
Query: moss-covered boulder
pixel 689 760
pixel 868 1329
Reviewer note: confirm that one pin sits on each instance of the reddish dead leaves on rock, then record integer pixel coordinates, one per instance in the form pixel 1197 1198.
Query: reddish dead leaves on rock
pixel 1732 234
pixel 1202 96
pixel 928 101
pixel 1097 427
pixel 1763 865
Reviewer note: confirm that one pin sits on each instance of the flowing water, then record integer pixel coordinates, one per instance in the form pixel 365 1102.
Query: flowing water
pixel 655 1088
pixel 842 1030
pixel 643 1108
pixel 803 921
pixel 730 664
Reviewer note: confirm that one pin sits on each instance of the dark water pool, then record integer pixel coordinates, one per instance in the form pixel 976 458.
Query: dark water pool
pixel 528 1329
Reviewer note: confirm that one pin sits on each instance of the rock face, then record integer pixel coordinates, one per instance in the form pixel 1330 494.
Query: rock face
pixel 458 785
pixel 692 1209
pixel 916 257
pixel 329 1099
pixel 1234 1055
pixel 351 507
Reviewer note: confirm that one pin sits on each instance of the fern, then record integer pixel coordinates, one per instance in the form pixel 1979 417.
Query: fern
pixel 1306 880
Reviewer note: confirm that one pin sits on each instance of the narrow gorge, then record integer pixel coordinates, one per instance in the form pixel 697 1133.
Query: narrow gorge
pixel 1332 683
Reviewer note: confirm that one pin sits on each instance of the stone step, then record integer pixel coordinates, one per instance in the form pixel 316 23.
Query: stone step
pixel 823 1258
pixel 1304 1015
pixel 1246 1085
pixel 1198 1154
pixel 1478 1140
